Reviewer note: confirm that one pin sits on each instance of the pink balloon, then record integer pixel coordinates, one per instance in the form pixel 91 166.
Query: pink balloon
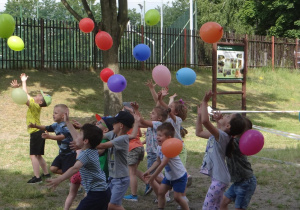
pixel 161 75
pixel 251 142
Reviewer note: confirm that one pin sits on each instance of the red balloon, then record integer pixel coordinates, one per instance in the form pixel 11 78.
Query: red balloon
pixel 251 142
pixel 103 40
pixel 105 74
pixel 172 147
pixel 86 25
pixel 211 32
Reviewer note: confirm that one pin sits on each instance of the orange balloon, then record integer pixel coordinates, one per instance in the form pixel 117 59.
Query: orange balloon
pixel 171 147
pixel 211 32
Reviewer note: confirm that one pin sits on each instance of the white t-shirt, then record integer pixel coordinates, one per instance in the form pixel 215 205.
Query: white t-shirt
pixel 176 126
pixel 174 169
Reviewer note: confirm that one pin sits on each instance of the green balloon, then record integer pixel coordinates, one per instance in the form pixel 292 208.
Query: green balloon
pixel 19 96
pixel 7 25
pixel 152 17
pixel 15 43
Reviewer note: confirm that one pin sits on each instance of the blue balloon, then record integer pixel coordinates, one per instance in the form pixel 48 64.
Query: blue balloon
pixel 186 76
pixel 141 52
pixel 117 83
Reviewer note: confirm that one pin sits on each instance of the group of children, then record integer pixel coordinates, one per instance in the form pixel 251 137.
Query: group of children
pixel 115 143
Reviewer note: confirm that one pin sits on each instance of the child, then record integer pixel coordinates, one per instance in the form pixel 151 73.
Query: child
pixel 218 146
pixel 157 116
pixel 117 156
pixel 93 178
pixel 176 176
pixel 66 157
pixel 37 143
pixel 244 181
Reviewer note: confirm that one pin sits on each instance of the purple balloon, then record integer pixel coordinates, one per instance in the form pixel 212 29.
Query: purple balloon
pixel 251 142
pixel 117 83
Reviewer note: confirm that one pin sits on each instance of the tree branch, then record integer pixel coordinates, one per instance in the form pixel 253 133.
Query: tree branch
pixel 88 10
pixel 75 14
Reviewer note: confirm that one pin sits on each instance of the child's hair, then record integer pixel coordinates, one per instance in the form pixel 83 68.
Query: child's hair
pixel 237 126
pixel 248 125
pixel 162 112
pixel 183 132
pixel 181 109
pixel 62 106
pixel 43 104
pixel 167 129
pixel 93 134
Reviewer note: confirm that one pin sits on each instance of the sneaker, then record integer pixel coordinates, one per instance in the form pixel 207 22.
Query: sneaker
pixel 168 200
pixel 148 189
pixel 185 198
pixel 189 181
pixel 46 176
pixel 130 198
pixel 34 180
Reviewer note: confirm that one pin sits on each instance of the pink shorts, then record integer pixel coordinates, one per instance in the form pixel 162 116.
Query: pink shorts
pixel 76 178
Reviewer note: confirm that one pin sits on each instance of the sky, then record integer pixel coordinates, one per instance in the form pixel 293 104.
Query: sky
pixel 149 4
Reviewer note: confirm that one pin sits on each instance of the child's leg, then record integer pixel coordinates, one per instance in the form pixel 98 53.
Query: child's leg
pixel 179 198
pixel 133 178
pixel 163 189
pixel 35 165
pixel 43 164
pixel 71 196
pixel 214 195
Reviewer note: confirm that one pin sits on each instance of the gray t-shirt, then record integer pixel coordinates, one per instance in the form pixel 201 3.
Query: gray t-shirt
pixel 176 126
pixel 117 155
pixel 238 165
pixel 214 159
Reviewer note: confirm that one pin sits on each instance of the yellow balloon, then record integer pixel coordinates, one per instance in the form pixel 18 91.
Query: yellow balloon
pixel 19 96
pixel 15 43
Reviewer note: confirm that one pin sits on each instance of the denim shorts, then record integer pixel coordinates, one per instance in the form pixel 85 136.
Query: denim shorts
pixel 118 187
pixel 241 192
pixel 151 158
pixel 178 185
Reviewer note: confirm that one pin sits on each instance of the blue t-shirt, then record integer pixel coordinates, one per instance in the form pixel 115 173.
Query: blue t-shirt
pixel 93 178
pixel 61 129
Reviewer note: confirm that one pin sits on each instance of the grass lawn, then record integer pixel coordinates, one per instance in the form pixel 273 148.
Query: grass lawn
pixel 277 166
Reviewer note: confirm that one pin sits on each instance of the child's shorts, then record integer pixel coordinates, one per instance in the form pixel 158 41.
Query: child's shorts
pixel 64 162
pixel 37 143
pixel 135 155
pixel 95 200
pixel 178 185
pixel 76 178
pixel 241 192
pixel 151 158
pixel 118 187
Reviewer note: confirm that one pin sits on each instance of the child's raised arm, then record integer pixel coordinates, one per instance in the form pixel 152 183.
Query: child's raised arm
pixel 199 128
pixel 70 126
pixel 205 118
pixel 24 78
pixel 151 86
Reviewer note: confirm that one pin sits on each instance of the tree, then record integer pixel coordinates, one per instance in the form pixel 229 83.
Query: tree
pixel 114 21
pixel 273 17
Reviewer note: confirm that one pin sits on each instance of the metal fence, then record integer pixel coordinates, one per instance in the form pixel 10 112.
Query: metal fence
pixel 56 44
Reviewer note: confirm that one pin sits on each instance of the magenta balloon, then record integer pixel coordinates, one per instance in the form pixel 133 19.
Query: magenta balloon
pixel 116 83
pixel 251 142
pixel 161 75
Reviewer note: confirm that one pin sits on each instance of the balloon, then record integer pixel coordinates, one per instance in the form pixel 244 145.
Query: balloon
pixel 211 32
pixel 7 25
pixel 186 76
pixel 171 147
pixel 86 25
pixel 117 83
pixel 19 96
pixel 152 17
pixel 15 43
pixel 103 40
pixel 251 142
pixel 105 74
pixel 141 52
pixel 161 75
pixel 98 117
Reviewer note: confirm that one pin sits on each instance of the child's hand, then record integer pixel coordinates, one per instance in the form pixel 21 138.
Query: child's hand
pixel 207 96
pixel 128 109
pixel 31 125
pixel 73 146
pixel 45 135
pixel 145 175
pixel 173 96
pixel 76 124
pixel 134 105
pixel 137 117
pixel 14 84
pixel 165 91
pixel 199 110
pixel 150 84
pixel 52 183
pixel 23 77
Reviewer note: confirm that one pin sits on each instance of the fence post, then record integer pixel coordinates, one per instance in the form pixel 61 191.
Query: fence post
pixel 142 32
pixel 185 47
pixel 296 53
pixel 42 43
pixel 273 46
